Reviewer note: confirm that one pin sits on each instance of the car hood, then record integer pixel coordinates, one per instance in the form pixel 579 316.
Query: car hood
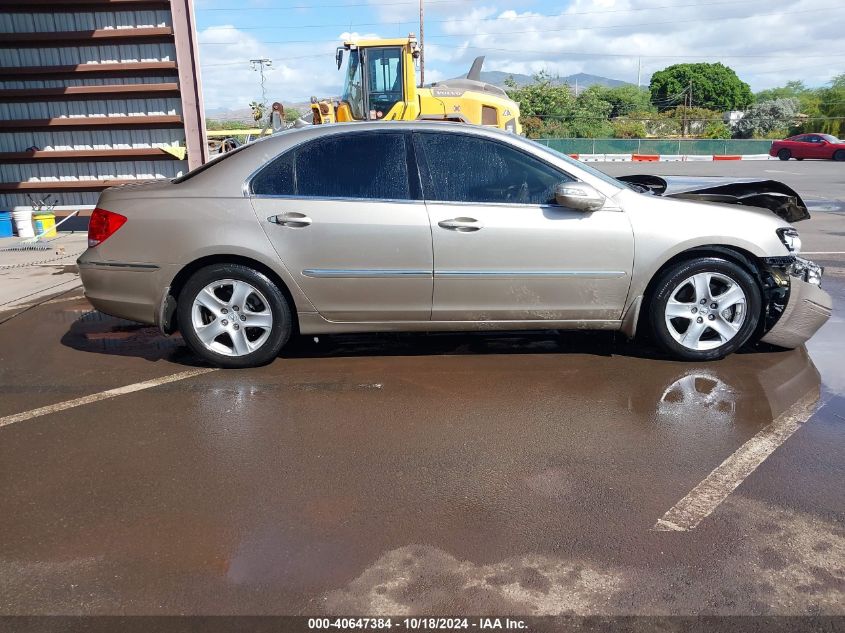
pixel 773 195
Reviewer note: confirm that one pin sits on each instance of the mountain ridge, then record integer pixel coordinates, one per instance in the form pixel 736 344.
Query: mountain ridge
pixel 583 80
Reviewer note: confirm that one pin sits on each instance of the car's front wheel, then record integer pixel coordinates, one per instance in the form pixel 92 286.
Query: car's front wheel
pixel 233 316
pixel 784 154
pixel 839 154
pixel 704 308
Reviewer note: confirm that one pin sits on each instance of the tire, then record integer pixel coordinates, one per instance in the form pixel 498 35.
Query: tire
pixel 784 154
pixel 675 309
pixel 259 329
pixel 839 154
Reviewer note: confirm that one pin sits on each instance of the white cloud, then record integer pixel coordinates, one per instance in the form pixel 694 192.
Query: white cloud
pixel 298 71
pixel 794 40
pixel 527 42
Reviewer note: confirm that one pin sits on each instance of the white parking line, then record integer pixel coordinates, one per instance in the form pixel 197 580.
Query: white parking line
pixel 103 395
pixel 823 252
pixel 714 489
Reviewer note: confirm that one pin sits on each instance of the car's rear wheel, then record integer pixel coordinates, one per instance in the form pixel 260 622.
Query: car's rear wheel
pixel 839 154
pixel 704 308
pixel 233 316
pixel 784 154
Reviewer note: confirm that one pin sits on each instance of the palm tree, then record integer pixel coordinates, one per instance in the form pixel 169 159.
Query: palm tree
pixel 258 110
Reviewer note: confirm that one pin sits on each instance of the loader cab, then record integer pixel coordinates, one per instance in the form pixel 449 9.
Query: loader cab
pixel 374 81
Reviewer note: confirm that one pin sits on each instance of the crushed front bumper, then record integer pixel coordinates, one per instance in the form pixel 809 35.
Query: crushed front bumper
pixel 808 307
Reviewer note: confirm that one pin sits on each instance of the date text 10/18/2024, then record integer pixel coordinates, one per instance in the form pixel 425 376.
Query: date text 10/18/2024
pixel 415 624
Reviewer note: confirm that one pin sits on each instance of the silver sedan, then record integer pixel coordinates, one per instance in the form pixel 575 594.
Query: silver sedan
pixel 424 226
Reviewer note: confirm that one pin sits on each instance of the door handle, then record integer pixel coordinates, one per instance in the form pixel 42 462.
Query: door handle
pixel 293 220
pixel 461 225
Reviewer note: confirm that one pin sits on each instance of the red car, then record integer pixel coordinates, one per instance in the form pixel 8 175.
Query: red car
pixel 809 146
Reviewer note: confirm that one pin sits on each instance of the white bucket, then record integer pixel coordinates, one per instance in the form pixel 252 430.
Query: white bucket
pixel 23 222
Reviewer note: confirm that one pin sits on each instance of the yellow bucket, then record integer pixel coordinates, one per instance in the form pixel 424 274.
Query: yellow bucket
pixel 44 223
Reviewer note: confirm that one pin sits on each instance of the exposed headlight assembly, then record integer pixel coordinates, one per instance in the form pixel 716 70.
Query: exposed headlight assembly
pixel 807 270
pixel 790 238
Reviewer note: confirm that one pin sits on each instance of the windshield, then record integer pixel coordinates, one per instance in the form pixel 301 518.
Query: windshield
pixel 830 138
pixel 585 167
pixel 353 93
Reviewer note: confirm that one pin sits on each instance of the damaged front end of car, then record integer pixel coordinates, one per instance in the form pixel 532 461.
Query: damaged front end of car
pixel 774 195
pixel 795 305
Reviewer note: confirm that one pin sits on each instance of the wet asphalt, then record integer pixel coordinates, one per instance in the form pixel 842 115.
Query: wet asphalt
pixel 509 473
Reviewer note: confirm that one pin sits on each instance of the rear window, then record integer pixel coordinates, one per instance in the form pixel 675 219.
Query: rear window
pixel 371 165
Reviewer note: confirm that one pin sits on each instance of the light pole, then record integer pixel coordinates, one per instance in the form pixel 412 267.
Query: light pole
pixel 259 65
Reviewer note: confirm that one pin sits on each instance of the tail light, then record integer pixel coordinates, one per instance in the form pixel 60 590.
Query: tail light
pixel 102 225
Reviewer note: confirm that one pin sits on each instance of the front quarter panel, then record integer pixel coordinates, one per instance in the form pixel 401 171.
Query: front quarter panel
pixel 665 227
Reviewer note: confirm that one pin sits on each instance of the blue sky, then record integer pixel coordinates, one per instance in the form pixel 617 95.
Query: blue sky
pixel 766 41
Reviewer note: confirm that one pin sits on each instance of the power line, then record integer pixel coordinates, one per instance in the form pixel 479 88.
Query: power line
pixel 575 28
pixel 324 6
pixel 592 54
pixel 626 26
pixel 500 18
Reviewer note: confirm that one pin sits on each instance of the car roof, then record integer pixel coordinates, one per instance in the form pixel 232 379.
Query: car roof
pixel 354 126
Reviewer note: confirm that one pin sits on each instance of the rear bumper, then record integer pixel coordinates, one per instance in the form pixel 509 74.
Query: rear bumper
pixel 809 307
pixel 131 291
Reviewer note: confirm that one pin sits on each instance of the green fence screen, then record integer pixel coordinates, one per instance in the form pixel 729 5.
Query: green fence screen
pixel 699 147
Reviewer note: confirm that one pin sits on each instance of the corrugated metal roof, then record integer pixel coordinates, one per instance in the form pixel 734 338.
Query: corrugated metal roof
pixel 73 55
pixel 82 21
pixel 18 84
pixel 89 108
pixel 84 168
pixel 91 139
pixel 12 200
pixel 100 170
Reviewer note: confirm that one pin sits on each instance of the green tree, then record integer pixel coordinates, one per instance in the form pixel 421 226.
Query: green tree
pixel 258 110
pixel 215 124
pixel 543 106
pixel 714 86
pixel 627 128
pixel 623 99
pixel 292 114
pixel 549 110
pixel 832 106
pixel 717 130
pixel 768 119
pixel 542 98
pixel 589 116
pixel 809 100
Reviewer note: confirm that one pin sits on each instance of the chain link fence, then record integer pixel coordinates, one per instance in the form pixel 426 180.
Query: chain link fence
pixel 697 147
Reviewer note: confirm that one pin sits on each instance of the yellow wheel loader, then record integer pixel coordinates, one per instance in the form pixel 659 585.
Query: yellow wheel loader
pixel 380 84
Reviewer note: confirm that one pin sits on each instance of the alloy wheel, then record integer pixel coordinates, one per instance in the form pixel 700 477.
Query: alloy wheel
pixel 705 311
pixel 231 317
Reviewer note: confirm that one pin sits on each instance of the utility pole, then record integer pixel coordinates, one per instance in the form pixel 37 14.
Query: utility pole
pixel 639 71
pixel 422 47
pixel 690 99
pixel 259 65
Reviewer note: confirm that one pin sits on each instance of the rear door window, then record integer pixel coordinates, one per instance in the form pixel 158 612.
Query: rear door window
pixel 367 165
pixel 463 168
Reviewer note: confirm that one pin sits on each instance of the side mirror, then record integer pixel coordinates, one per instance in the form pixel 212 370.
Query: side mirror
pixel 579 196
pixel 338 57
